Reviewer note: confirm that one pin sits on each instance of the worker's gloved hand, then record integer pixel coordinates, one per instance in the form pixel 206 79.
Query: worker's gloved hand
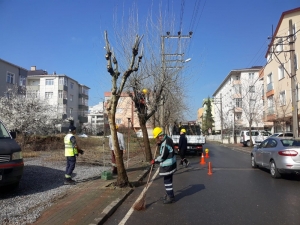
pixel 80 151
pixel 152 161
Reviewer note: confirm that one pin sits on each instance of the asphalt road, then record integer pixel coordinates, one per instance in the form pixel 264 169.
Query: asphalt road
pixel 234 194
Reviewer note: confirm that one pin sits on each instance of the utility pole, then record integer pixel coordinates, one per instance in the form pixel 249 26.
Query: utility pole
pixel 293 80
pixel 164 67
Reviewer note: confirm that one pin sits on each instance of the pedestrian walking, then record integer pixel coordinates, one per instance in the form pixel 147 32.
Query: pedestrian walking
pixel 167 160
pixel 71 151
pixel 182 147
pixel 122 148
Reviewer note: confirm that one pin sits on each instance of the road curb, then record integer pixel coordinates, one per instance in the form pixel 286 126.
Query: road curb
pixel 113 206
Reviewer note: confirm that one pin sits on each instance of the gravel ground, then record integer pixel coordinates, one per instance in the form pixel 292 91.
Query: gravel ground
pixel 40 186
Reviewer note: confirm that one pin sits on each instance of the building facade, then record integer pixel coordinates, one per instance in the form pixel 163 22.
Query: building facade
pixel 11 76
pixel 238 101
pixel 278 72
pixel 70 97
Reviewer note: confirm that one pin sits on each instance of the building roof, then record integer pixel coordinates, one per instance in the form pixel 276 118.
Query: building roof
pixel 13 64
pixel 278 25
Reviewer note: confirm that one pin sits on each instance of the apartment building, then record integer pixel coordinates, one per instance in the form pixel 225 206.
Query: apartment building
pixel 126 110
pixel 11 75
pixel 238 101
pixel 97 120
pixel 276 76
pixel 70 97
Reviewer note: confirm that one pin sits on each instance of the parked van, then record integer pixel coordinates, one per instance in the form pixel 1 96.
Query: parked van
pixel 257 137
pixel 11 160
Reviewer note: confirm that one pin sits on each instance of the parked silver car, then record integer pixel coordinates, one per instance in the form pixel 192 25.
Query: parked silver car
pixel 279 155
pixel 286 134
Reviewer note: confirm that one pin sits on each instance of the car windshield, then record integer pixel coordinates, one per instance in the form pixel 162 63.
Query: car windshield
pixel 290 142
pixel 3 132
pixel 265 133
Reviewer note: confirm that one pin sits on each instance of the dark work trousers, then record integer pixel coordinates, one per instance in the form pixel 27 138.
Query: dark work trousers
pixel 71 161
pixel 113 161
pixel 168 181
pixel 182 156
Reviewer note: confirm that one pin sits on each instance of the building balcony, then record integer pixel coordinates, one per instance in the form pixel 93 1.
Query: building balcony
pixel 82 119
pixel 62 88
pixel 84 107
pixel 82 95
pixel 63 101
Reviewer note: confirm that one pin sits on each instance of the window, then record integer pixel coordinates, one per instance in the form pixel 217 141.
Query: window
pixel 65 81
pixel 22 81
pixel 118 121
pixel 238 89
pixel 272 143
pixel 288 135
pixel 269 82
pixel 71 98
pixel 251 75
pixel 238 116
pixel 10 78
pixel 282 98
pixel 238 102
pixel 279 45
pixel 270 105
pixel 48 95
pixel 72 85
pixel 237 77
pixel 60 94
pixel 61 81
pixel 280 72
pixel 49 81
pixel 252 89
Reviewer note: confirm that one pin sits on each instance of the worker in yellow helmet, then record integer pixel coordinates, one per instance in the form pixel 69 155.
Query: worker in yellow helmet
pixel 167 161
pixel 182 147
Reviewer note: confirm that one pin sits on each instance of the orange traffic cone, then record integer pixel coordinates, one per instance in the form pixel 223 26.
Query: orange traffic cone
pixel 209 169
pixel 206 153
pixel 202 159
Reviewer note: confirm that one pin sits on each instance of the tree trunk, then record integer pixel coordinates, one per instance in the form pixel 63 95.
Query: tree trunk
pixel 148 153
pixel 122 179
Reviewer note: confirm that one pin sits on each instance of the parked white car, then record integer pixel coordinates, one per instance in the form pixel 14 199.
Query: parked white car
pixel 257 137
pixel 262 135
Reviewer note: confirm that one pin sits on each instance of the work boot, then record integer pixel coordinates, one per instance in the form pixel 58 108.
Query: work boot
pixel 169 200
pixel 69 181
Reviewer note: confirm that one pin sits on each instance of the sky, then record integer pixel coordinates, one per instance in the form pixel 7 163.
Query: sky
pixel 67 37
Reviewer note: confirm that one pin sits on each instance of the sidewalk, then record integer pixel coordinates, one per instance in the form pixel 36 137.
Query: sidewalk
pixel 92 202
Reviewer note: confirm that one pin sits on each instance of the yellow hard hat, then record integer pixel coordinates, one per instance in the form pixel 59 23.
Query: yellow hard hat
pixel 183 130
pixel 145 91
pixel 117 126
pixel 157 131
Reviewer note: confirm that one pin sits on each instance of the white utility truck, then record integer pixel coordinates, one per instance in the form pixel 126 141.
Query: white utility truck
pixel 195 140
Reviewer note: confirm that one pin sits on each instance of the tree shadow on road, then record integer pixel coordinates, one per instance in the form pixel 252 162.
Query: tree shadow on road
pixel 189 190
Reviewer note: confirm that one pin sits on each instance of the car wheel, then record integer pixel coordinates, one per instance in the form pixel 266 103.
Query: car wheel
pixel 253 163
pixel 248 143
pixel 273 170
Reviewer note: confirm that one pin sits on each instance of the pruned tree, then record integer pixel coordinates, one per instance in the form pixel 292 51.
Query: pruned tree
pixel 28 114
pixel 252 104
pixel 282 110
pixel 116 90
